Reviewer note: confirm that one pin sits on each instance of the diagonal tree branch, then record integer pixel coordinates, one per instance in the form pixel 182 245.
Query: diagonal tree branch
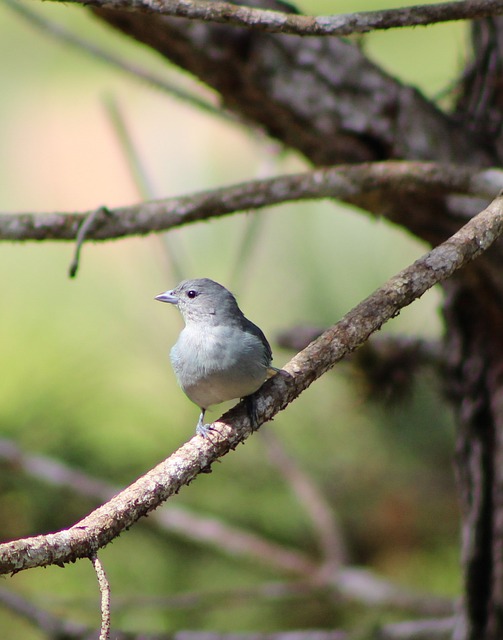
pixel 292 23
pixel 198 527
pixel 367 185
pixel 196 456
pixel 349 583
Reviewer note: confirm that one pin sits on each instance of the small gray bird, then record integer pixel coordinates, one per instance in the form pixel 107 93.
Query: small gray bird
pixel 220 355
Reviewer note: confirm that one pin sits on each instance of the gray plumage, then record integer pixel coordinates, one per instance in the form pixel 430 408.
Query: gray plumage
pixel 220 354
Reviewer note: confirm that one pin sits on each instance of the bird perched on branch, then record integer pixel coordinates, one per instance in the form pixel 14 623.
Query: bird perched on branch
pixel 220 354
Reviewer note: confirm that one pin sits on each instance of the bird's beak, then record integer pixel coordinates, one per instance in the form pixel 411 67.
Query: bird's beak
pixel 167 296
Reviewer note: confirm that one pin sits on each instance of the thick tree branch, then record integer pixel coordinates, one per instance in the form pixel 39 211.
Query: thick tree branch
pixel 367 185
pixel 291 23
pixel 197 455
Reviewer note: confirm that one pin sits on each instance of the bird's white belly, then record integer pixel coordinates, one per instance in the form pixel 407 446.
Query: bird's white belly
pixel 214 390
pixel 215 366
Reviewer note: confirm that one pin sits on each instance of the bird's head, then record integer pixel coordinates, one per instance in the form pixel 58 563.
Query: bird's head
pixel 202 300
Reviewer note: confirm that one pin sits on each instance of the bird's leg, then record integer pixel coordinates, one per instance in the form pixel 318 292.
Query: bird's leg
pixel 202 429
pixel 251 408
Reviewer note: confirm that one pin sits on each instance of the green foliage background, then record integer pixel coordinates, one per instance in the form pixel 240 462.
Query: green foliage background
pixel 85 374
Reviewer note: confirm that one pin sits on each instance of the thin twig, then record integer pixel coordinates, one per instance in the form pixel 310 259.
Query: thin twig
pixel 105 597
pixel 334 25
pixel 84 228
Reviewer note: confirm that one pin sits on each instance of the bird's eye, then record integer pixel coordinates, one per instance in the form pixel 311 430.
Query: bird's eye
pixel 191 294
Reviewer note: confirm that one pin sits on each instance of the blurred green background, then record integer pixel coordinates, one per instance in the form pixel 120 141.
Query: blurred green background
pixel 85 371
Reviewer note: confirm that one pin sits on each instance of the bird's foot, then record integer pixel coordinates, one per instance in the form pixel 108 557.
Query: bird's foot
pixel 251 408
pixel 204 430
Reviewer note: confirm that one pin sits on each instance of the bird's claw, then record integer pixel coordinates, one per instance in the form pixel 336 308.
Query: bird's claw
pixel 204 430
pixel 252 410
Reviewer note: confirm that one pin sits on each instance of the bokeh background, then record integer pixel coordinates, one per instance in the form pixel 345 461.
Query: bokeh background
pixel 84 362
